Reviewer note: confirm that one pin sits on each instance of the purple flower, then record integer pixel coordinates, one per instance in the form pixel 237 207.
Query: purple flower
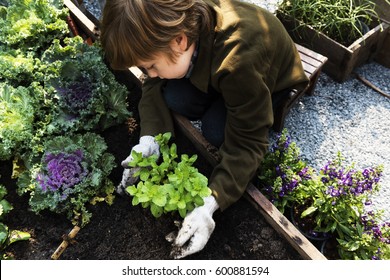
pixel 64 170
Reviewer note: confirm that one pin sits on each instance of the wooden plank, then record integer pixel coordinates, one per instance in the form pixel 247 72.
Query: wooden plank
pixel 316 56
pixel 383 56
pixel 273 216
pixel 310 60
pixel 82 20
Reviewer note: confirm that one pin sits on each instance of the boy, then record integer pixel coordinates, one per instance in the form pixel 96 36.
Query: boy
pixel 220 61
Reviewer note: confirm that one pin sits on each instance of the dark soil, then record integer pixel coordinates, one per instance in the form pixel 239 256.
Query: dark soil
pixel 122 231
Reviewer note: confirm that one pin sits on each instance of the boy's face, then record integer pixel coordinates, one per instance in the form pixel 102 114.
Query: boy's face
pixel 161 66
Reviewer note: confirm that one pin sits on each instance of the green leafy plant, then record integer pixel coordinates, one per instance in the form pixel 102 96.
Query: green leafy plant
pixel 340 197
pixel 341 20
pixel 283 176
pixel 169 185
pixel 331 202
pixel 16 119
pixel 7 236
pixel 86 94
pixel 19 68
pixel 368 239
pixel 70 173
pixel 31 25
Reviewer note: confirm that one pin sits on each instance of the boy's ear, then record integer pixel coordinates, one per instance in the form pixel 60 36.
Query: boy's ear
pixel 181 42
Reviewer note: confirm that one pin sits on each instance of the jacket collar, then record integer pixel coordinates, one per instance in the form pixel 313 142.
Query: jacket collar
pixel 201 73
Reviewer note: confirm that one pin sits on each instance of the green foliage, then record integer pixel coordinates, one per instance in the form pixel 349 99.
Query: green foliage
pixel 7 236
pixel 339 199
pixel 169 185
pixel 340 20
pixel 283 176
pixel 62 87
pixel 367 239
pixel 335 198
pixel 16 119
pixel 87 96
pixel 19 68
pixel 70 173
pixel 30 24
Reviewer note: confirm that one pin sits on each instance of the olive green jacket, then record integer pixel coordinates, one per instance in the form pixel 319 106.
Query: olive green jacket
pixel 246 57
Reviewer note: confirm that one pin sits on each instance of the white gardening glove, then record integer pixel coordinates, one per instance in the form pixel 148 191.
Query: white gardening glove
pixel 148 147
pixel 196 230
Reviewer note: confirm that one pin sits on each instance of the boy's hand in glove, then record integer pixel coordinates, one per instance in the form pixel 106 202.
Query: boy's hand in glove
pixel 148 147
pixel 196 230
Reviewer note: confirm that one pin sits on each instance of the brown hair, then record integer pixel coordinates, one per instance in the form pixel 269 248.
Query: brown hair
pixel 134 30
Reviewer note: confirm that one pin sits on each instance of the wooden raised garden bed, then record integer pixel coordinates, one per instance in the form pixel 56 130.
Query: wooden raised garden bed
pixel 341 59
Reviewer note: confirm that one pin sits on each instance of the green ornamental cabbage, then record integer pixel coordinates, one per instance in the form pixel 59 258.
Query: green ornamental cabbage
pixel 32 24
pixel 16 119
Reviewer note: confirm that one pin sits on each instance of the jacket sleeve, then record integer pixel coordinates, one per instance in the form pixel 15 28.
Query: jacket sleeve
pixel 249 118
pixel 154 113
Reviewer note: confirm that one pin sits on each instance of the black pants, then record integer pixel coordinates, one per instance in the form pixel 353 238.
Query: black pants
pixel 184 98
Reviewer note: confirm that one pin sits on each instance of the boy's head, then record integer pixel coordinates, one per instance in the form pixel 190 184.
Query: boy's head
pixel 135 31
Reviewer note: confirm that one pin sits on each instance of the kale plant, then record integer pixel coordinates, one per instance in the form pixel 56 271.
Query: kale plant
pixel 16 119
pixel 87 96
pixel 168 185
pixel 19 68
pixel 71 172
pixel 30 24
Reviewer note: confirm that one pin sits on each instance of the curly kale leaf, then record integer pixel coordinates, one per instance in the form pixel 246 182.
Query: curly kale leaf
pixel 28 24
pixel 16 119
pixel 18 68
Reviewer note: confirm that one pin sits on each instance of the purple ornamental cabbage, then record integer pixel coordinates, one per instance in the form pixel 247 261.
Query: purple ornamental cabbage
pixel 76 97
pixel 64 170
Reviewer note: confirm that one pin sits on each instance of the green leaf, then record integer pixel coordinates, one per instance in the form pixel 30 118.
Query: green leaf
pixel 345 229
pixel 156 210
pixel 198 200
pixel 160 200
pixel 17 235
pixel 170 207
pixel 3 234
pixel 183 213
pixel 352 245
pixel 144 174
pixel 132 190
pixel 135 201
pixel 181 204
pixel 144 198
pixel 308 211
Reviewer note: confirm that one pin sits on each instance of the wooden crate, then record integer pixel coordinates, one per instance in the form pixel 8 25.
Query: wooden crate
pixel 383 55
pixel 341 60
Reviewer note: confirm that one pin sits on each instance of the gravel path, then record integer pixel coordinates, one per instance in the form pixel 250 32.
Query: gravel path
pixel 348 117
